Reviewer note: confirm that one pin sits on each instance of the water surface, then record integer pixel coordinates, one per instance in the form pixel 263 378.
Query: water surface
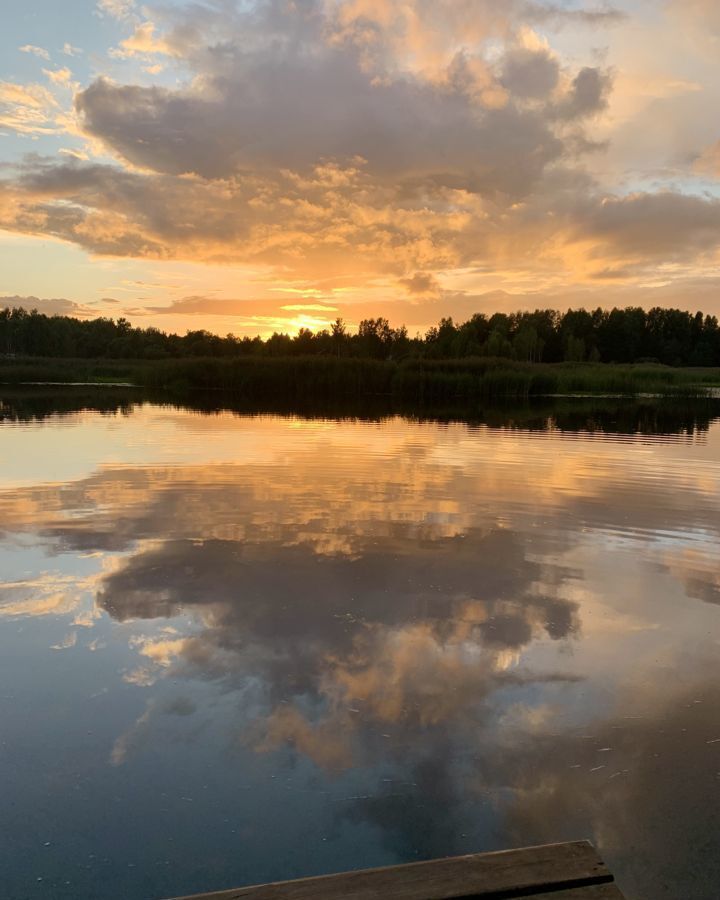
pixel 237 647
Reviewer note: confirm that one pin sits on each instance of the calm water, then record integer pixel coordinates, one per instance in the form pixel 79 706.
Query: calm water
pixel 241 648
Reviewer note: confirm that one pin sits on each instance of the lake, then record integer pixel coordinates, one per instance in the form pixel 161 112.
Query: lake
pixel 240 647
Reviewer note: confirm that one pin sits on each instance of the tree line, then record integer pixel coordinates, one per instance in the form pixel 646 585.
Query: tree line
pixel 670 336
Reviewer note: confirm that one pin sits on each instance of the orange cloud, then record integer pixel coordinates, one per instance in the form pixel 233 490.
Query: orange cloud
pixel 708 163
pixel 419 147
pixel 27 108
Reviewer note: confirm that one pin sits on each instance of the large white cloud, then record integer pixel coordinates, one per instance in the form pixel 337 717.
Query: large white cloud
pixel 410 88
pixel 361 140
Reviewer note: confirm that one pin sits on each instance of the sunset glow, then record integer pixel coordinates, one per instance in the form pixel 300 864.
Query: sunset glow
pixel 251 167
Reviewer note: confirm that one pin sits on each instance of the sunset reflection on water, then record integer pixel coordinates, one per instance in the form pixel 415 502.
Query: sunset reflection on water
pixel 240 648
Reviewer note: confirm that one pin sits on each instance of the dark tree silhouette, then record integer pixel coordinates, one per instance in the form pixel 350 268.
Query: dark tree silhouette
pixel 670 336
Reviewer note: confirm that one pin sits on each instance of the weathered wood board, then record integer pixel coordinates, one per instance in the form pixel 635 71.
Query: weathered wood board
pixel 571 871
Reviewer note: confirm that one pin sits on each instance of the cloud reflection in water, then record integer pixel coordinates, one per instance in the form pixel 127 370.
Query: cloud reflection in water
pixel 495 629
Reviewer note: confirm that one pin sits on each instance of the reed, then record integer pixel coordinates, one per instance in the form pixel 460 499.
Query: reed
pixel 327 378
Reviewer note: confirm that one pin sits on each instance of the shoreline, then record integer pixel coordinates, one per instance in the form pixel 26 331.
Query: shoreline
pixel 326 379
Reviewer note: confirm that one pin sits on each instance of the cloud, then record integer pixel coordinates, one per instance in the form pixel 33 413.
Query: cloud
pixel 530 73
pixel 304 222
pixel 57 306
pixel 423 38
pixel 421 283
pixel 59 76
pixel 74 153
pixel 708 162
pixel 421 813
pixel 134 738
pixel 36 51
pixel 70 50
pixel 700 581
pixel 477 705
pixel 122 10
pixel 456 682
pixel 308 307
pixel 588 94
pixel 548 780
pixel 400 669
pixel 248 105
pixel 230 126
pixel 27 108
pixel 161 652
pixel 142 42
pixel 199 305
pixel 412 156
pixel 319 742
pixel 50 594
pixel 555 14
pixel 665 225
pixel 625 799
pixel 363 141
pixel 46 595
pixel 340 221
pixel 69 641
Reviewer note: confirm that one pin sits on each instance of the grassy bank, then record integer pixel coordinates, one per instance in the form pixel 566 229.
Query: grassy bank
pixel 88 371
pixel 421 381
pixel 328 378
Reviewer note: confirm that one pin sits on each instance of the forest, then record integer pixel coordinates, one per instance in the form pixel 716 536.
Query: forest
pixel 671 337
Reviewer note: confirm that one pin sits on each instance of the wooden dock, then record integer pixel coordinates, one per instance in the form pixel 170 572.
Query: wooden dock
pixel 572 871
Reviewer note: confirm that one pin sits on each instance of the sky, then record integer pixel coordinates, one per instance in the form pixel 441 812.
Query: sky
pixel 249 166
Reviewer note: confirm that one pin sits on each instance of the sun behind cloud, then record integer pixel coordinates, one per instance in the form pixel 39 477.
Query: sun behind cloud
pixel 384 158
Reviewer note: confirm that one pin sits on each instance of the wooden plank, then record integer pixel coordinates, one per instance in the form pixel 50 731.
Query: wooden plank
pixel 505 874
pixel 593 892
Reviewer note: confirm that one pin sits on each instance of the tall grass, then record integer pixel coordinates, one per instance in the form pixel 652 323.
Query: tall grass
pixel 87 371
pixel 328 378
